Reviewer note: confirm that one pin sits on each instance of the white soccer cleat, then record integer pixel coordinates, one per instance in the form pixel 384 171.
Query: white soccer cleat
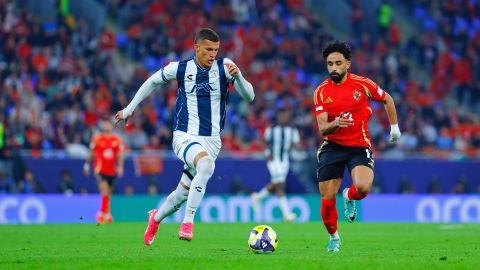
pixel 290 217
pixel 334 245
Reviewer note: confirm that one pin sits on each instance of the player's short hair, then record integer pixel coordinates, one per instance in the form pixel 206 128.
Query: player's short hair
pixel 338 46
pixel 206 33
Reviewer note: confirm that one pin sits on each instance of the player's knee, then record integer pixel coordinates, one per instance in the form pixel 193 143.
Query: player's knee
pixel 206 166
pixel 363 188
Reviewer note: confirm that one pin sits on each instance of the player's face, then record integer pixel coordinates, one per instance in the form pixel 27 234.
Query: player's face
pixel 337 66
pixel 283 117
pixel 107 127
pixel 205 52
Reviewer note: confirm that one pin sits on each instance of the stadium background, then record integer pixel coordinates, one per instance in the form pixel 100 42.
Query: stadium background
pixel 64 65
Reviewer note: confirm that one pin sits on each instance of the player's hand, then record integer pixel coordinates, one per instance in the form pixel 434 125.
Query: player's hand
pixel 120 172
pixel 344 120
pixel 119 117
pixel 394 133
pixel 232 69
pixel 86 169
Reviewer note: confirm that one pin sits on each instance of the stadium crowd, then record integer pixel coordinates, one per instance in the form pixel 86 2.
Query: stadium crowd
pixel 58 78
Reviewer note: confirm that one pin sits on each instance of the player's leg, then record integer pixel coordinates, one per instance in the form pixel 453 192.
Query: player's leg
pixel 360 166
pixel 173 202
pixel 288 216
pixel 110 180
pixel 257 197
pixel 331 166
pixel 278 179
pixel 177 197
pixel 103 188
pixel 328 191
pixel 204 166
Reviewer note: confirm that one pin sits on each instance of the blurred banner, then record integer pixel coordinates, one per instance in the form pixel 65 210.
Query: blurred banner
pixel 422 208
pixel 18 209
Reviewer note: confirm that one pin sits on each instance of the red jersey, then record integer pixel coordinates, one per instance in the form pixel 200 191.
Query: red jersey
pixel 106 149
pixel 352 96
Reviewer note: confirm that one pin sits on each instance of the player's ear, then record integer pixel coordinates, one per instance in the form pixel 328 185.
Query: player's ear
pixel 348 64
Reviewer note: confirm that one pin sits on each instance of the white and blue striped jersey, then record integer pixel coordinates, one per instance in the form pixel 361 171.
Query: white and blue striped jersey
pixel 202 95
pixel 280 140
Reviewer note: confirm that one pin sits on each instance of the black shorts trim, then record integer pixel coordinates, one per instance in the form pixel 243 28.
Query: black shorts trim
pixel 110 179
pixel 333 158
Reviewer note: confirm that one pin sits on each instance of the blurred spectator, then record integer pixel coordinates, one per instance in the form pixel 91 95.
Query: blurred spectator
pixel 58 78
pixel 434 186
pixel 66 183
pixel 29 184
pixel 406 186
pixel 7 184
pixel 461 186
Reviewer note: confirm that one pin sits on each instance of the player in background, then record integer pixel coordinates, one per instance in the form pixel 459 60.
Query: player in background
pixel 107 150
pixel 280 138
pixel 203 82
pixel 342 112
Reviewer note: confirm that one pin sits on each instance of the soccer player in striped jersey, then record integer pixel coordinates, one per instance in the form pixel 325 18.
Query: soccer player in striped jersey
pixel 280 139
pixel 342 110
pixel 203 83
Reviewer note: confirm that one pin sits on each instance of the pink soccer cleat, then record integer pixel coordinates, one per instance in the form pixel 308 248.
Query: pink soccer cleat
pixel 152 228
pixel 186 231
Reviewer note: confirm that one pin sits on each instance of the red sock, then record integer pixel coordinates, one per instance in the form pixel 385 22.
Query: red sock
pixel 329 215
pixel 105 204
pixel 353 194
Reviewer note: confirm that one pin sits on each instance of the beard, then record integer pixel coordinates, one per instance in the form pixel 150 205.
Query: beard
pixel 337 77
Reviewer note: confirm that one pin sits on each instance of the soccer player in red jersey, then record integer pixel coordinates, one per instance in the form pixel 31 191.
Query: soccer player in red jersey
pixel 342 111
pixel 107 148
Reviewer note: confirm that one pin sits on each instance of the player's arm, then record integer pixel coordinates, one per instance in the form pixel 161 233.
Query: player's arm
pixel 326 127
pixel 86 166
pixel 268 140
pixel 297 144
pixel 392 118
pixel 120 163
pixel 241 85
pixel 161 77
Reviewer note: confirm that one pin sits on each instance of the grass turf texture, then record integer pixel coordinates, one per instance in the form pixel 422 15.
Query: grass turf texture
pixel 224 246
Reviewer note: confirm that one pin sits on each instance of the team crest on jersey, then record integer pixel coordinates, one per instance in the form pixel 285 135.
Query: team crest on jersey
pixel 356 95
pixel 214 73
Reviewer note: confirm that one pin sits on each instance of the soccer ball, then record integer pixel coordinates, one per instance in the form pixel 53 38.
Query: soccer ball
pixel 263 239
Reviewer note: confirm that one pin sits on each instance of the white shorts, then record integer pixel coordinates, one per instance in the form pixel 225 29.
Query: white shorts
pixel 278 170
pixel 183 142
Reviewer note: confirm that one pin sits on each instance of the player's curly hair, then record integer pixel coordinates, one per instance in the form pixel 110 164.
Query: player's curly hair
pixel 340 47
pixel 208 34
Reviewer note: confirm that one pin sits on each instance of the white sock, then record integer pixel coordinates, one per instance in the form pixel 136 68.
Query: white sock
pixel 335 235
pixel 284 206
pixel 174 200
pixel 263 193
pixel 205 168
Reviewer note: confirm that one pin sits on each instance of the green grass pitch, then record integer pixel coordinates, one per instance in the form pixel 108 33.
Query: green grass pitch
pixel 224 246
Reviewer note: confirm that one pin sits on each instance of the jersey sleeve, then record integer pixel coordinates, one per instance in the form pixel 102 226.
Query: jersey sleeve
pixel 120 146
pixel 94 143
pixel 268 134
pixel 319 107
pixel 373 90
pixel 295 136
pixel 168 72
